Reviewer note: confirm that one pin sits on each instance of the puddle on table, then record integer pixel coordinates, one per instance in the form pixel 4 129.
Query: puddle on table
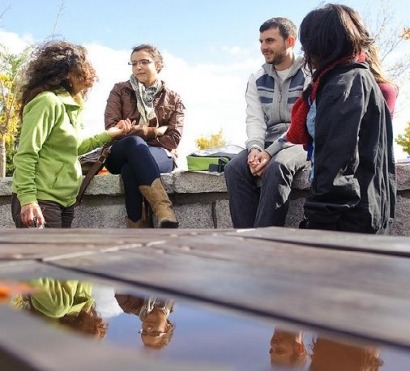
pixel 184 330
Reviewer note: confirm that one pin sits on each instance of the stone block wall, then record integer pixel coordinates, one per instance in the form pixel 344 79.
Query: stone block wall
pixel 200 201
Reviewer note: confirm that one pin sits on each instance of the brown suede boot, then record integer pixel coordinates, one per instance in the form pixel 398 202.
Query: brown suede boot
pixel 142 223
pixel 160 203
pixel 145 221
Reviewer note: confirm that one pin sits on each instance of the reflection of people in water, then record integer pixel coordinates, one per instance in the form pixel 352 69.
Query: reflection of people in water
pixel 156 329
pixel 67 302
pixel 329 355
pixel 287 349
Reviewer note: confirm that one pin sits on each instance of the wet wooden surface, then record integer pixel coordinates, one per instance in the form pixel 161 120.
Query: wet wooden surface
pixel 355 284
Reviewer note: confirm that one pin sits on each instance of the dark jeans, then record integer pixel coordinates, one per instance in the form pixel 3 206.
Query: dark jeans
pixel 55 215
pixel 262 201
pixel 138 164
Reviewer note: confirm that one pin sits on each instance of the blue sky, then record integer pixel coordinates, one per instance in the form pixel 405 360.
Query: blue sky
pixel 210 48
pixel 196 31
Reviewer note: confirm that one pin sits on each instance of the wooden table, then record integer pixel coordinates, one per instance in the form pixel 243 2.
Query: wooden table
pixel 350 283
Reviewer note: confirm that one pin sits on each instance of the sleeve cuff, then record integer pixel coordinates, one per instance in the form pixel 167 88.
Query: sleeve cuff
pixel 151 133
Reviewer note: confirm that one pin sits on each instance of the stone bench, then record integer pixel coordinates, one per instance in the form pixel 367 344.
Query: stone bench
pixel 200 201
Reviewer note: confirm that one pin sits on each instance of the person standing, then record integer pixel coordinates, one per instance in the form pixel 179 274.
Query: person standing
pixel 349 124
pixel 47 173
pixel 157 116
pixel 259 182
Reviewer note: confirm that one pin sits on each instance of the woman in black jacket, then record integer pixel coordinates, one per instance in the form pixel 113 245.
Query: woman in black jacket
pixel 353 171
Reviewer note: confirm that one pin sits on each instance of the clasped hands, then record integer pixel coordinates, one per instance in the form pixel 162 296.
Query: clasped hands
pixel 122 128
pixel 128 127
pixel 257 161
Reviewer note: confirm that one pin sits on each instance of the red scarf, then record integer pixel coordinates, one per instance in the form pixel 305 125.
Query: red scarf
pixel 297 132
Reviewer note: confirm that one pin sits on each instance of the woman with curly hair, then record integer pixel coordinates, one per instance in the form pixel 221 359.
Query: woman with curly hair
pixel 66 302
pixel 48 174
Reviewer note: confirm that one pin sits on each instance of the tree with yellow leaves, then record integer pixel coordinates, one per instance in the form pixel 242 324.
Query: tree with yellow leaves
pixel 212 141
pixel 406 33
pixel 404 139
pixel 11 67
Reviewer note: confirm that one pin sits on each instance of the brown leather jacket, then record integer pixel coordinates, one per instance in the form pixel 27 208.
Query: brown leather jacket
pixel 122 104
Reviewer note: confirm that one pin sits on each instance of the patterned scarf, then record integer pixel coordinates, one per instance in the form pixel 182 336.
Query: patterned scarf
pixel 297 132
pixel 165 306
pixel 145 98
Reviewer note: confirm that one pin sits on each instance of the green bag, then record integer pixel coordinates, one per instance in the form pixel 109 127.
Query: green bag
pixel 207 163
pixel 213 160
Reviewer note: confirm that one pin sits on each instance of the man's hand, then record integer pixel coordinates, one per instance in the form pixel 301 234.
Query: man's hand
pixel 257 161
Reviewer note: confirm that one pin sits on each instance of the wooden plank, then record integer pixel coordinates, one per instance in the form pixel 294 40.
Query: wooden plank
pixel 391 245
pixel 18 244
pixel 352 292
pixel 345 282
pixel 36 244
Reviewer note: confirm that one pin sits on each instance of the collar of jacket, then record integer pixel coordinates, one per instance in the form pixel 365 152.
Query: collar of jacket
pixel 68 100
pixel 296 66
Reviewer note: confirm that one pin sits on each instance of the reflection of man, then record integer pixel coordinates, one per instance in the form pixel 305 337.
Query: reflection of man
pixel 156 329
pixel 337 356
pixel 287 349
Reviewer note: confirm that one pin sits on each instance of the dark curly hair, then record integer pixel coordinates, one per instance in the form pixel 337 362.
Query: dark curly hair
pixel 49 67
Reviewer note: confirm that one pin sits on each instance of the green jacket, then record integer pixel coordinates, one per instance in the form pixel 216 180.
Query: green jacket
pixel 56 299
pixel 47 166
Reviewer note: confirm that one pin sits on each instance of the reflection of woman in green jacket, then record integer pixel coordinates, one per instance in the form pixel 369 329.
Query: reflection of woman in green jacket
pixel 48 173
pixel 67 302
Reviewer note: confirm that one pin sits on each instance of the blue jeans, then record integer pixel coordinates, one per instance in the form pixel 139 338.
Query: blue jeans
pixel 262 201
pixel 138 164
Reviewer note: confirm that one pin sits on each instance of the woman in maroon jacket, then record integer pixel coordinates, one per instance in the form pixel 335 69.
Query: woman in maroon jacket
pixel 157 115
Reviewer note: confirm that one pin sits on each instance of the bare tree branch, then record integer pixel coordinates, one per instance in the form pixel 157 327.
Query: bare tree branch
pixel 3 12
pixel 389 36
pixel 60 13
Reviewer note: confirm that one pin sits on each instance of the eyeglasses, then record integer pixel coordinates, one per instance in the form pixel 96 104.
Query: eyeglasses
pixel 142 62
pixel 151 333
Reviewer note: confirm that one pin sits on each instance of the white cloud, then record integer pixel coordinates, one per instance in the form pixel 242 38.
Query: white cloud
pixel 15 43
pixel 213 94
pixel 236 51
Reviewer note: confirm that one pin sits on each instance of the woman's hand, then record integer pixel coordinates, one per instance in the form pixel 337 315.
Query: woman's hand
pixel 140 130
pixel 122 128
pixel 31 215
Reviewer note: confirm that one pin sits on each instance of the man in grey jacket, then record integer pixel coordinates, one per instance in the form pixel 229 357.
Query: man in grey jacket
pixel 259 179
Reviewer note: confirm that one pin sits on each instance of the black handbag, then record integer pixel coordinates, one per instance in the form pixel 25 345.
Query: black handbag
pixel 89 159
pixel 91 163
